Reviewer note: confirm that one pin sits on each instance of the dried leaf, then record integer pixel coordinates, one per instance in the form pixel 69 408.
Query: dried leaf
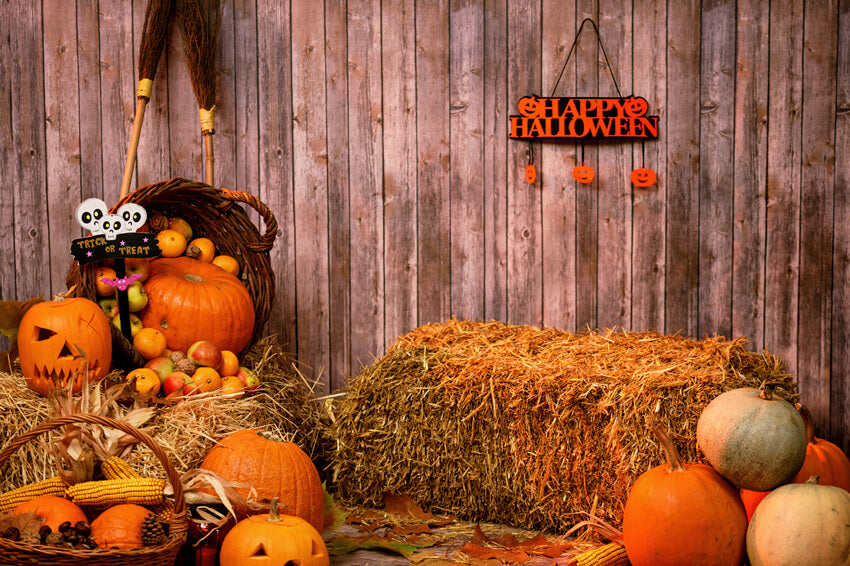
pixel 24 522
pixel 345 544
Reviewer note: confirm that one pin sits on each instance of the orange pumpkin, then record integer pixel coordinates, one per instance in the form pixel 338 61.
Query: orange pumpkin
pixel 58 338
pixel 274 469
pixel 823 458
pixel 189 301
pixel 53 510
pixel 119 526
pixel 679 514
pixel 583 173
pixel 273 539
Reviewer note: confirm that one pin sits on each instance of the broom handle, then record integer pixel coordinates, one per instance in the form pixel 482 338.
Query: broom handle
pixel 210 158
pixel 141 104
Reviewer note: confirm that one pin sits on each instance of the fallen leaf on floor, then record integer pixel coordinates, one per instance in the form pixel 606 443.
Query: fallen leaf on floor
pixel 345 544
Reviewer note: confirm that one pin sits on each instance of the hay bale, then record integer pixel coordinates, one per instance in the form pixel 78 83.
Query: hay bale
pixel 186 430
pixel 527 426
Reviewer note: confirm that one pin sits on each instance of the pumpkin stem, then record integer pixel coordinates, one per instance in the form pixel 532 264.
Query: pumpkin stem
pixel 674 460
pixel 273 514
pixel 813 480
pixel 807 420
pixel 766 391
pixel 59 297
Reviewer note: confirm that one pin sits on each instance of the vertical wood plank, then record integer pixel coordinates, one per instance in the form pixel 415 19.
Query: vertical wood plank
pixel 783 183
pixel 717 114
pixel 750 164
pixel 587 57
pixel 398 39
pixel 648 204
pixel 525 258
pixel 62 135
pixel 245 99
pixel 184 126
pixel 88 63
pixel 310 202
pixel 117 91
pixel 682 282
pixel 613 173
pixel 8 161
pixel 225 141
pixel 816 208
pixel 467 146
pixel 26 178
pixel 839 403
pixel 366 189
pixel 274 80
pixel 557 185
pixel 432 141
pixel 496 105
pixel 339 269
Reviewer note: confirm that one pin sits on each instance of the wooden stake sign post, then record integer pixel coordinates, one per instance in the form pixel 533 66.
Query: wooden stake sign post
pixel 574 118
pixel 114 236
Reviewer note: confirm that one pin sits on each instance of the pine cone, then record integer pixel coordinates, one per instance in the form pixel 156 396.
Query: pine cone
pixel 152 531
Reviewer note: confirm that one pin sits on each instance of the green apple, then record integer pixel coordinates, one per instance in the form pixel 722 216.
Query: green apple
pixel 162 366
pixel 136 296
pixel 109 306
pixel 135 323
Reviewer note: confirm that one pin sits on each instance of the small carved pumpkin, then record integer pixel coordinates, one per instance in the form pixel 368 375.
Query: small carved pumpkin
pixel 119 526
pixel 583 173
pixel 273 540
pixel 643 177
pixel 58 338
pixel 530 173
pixel 679 514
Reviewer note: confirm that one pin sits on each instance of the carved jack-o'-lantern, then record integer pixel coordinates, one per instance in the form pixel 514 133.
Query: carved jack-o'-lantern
pixel 643 177
pixel 635 106
pixel 530 174
pixel 58 338
pixel 530 106
pixel 273 540
pixel 583 173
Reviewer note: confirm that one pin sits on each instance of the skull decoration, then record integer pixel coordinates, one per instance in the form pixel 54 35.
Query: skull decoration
pixel 61 339
pixel 90 214
pixel 93 215
pixel 133 216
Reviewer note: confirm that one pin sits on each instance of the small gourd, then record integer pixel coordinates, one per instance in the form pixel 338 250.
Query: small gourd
pixel 119 526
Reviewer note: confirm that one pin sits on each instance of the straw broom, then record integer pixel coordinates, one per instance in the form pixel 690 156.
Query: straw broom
pixel 154 31
pixel 199 22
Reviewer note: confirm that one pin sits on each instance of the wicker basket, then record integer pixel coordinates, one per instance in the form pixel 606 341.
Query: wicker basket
pixel 214 214
pixel 16 552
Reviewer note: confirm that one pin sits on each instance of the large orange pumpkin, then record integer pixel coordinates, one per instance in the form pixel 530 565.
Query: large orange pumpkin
pixel 52 510
pixel 189 300
pixel 273 469
pixel 120 526
pixel 58 338
pixel 679 514
pixel 823 458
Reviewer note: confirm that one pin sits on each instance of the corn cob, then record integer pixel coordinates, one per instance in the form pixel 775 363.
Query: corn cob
pixel 163 510
pixel 116 468
pixel 611 554
pixel 13 498
pixel 142 491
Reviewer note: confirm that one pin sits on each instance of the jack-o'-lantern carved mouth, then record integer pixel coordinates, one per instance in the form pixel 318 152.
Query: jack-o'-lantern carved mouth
pixel 57 360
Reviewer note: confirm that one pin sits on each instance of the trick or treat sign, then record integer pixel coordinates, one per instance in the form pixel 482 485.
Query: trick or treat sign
pixel 563 119
pixel 113 236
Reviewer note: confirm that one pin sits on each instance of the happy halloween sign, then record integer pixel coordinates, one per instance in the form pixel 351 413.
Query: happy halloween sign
pixel 568 118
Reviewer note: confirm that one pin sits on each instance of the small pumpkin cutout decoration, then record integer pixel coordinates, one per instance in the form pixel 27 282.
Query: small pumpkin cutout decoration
pixel 643 177
pixel 583 173
pixel 119 526
pixel 679 513
pixel 273 540
pixel 57 339
pixel 530 173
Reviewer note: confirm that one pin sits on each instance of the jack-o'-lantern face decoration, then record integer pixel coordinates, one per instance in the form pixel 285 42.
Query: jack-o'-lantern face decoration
pixel 530 174
pixel 635 106
pixel 643 177
pixel 583 173
pixel 530 107
pixel 58 338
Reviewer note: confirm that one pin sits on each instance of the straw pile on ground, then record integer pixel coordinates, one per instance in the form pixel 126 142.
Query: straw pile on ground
pixel 185 430
pixel 528 427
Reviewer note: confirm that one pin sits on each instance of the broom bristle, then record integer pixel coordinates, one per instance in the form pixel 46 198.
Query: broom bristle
pixel 199 22
pixel 154 31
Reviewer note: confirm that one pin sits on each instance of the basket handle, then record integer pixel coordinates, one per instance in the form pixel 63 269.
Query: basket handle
pixel 173 478
pixel 267 239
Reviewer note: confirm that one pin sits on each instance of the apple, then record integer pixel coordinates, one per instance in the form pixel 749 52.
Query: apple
pixel 181 225
pixel 135 323
pixel 109 307
pixel 248 378
pixel 137 266
pixel 136 296
pixel 176 382
pixel 162 366
pixel 205 353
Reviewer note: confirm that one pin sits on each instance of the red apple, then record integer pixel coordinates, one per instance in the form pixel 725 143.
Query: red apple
pixel 162 366
pixel 109 306
pixel 205 353
pixel 248 378
pixel 176 382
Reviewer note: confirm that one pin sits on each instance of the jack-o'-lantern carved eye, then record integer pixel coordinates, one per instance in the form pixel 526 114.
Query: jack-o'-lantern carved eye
pixel 643 177
pixel 583 173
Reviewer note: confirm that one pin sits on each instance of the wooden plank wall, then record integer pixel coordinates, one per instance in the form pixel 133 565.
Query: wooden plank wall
pixel 377 133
